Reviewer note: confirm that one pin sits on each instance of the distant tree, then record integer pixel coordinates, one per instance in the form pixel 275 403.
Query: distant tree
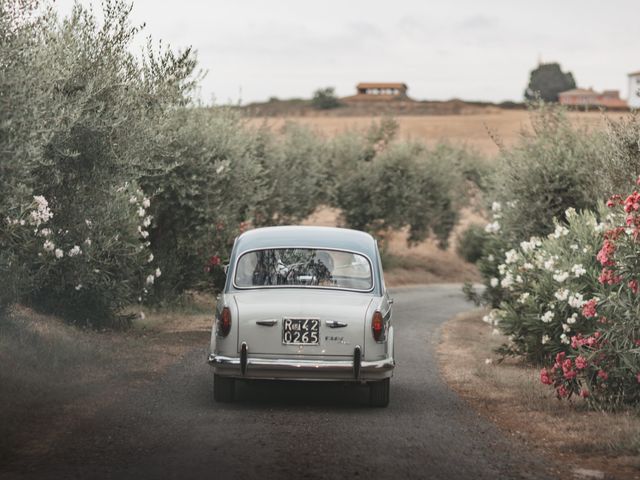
pixel 547 81
pixel 325 98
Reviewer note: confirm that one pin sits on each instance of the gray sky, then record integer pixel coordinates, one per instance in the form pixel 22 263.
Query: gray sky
pixel 470 49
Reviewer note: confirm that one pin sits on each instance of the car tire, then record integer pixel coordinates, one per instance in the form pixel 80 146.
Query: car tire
pixel 223 388
pixel 379 393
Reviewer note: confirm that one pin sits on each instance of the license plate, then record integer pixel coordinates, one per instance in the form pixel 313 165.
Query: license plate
pixel 300 331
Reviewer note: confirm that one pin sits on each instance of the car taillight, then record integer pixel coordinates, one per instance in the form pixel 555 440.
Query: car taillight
pixel 377 326
pixel 224 322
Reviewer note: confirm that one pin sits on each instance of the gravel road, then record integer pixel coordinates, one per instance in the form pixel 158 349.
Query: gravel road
pixel 168 427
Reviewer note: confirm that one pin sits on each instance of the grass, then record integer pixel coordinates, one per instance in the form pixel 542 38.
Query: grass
pixel 511 394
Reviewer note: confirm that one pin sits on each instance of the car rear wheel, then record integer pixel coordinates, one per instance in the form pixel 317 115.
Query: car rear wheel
pixel 379 393
pixel 223 388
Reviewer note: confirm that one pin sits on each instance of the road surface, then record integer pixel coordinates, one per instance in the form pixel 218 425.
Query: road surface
pixel 169 427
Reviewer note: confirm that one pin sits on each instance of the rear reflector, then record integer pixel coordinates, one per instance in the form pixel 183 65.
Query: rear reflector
pixel 377 326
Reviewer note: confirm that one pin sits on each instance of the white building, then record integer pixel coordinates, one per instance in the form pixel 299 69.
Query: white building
pixel 634 90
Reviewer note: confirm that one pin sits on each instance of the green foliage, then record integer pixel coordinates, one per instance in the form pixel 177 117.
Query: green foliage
pixel 325 99
pixel 547 81
pixel 545 173
pixel 471 244
pixel 80 128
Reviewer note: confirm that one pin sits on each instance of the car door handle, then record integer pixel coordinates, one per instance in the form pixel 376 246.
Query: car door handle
pixel 267 323
pixel 335 324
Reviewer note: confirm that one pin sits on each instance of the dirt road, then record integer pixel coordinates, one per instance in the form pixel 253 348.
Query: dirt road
pixel 166 426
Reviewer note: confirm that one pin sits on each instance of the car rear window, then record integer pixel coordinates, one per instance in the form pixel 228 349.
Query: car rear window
pixel 303 267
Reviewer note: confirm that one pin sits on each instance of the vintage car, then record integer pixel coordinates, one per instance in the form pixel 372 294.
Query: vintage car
pixel 303 303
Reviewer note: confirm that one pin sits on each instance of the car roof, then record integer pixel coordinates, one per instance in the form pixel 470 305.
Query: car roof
pixel 307 236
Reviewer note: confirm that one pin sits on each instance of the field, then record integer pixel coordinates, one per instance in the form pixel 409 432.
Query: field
pixel 472 130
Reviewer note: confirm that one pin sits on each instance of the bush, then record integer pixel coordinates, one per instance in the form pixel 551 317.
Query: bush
pixel 325 99
pixel 471 244
pixel 546 173
pixel 80 131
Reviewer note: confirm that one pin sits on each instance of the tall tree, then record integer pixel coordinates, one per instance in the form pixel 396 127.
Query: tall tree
pixel 547 81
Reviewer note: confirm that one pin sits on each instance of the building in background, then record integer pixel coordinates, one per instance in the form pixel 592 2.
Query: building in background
pixel 589 98
pixel 634 90
pixel 379 92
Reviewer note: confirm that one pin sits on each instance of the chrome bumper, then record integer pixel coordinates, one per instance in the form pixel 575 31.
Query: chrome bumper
pixel 301 369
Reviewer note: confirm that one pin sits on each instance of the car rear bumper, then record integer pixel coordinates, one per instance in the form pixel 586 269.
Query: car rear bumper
pixel 302 369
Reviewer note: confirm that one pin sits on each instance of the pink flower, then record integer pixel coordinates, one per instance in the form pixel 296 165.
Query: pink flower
pixel 214 260
pixel 581 362
pixel 605 253
pixel 608 277
pixel 544 377
pixel 584 393
pixel 562 391
pixel 633 285
pixel 603 375
pixel 589 308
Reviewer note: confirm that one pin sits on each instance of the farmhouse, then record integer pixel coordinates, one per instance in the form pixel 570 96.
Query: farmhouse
pixel 634 90
pixel 379 92
pixel 585 98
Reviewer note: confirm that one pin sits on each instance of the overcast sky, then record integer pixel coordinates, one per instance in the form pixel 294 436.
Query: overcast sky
pixel 469 49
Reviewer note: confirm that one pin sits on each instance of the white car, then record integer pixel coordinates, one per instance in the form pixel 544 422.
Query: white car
pixel 304 303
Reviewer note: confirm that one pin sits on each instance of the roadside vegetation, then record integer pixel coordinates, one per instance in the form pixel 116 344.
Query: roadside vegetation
pixel 117 189
pixel 560 257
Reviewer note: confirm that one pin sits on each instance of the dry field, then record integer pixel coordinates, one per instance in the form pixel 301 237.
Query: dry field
pixel 471 130
pixel 588 443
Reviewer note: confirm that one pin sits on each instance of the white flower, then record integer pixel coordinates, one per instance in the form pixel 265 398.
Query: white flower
pixel 88 222
pixel 547 317
pixel 511 256
pixel 45 232
pixel 560 276
pixel 507 281
pixel 158 272
pixel 133 200
pixel 519 279
pixel 549 264
pixel 576 300
pixel 570 212
pixel 49 246
pixel 564 339
pixel 496 207
pixel 494 282
pixel 488 361
pixel 578 270
pixel 562 294
pixel 502 268
pixel 493 318
pixel 572 319
pixel 546 339
pixel 141 212
pixel 491 258
pixel 150 279
pixel 87 242
pixel 528 266
pixel 600 227
pixel 74 251
pixel 41 214
pixel 495 331
pixel 150 259
pixel 142 316
pixel 143 233
pixel 493 227
pixel 524 297
pixel 566 328
pixel 146 203
pixel 220 169
pixel 573 246
pixel 58 253
pixel 531 245
pixel 79 286
pixel 147 221
pixel 560 231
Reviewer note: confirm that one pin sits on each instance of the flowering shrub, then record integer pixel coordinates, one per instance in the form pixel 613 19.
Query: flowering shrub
pixel 545 285
pixel 605 365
